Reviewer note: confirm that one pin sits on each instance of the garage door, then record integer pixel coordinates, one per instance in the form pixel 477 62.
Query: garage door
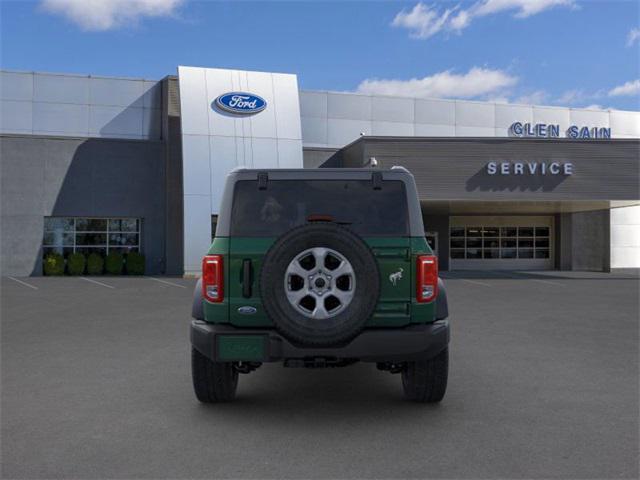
pixel 501 243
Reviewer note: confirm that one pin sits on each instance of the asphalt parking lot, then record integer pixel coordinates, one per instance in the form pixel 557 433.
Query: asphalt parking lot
pixel 543 384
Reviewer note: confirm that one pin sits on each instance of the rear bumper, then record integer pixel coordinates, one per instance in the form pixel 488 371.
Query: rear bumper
pixel 227 343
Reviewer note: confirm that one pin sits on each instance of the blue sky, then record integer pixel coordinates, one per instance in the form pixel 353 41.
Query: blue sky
pixel 558 52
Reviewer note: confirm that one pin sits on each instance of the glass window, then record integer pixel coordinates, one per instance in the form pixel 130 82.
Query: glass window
pixel 542 253
pixel 525 253
pixel 91 225
pixel 542 231
pixel 474 242
pixel 66 235
pixel 123 225
pixel 526 243
pixel 214 226
pixel 491 253
pixel 474 253
pixel 286 203
pixel 500 242
pixel 491 242
pixel 490 231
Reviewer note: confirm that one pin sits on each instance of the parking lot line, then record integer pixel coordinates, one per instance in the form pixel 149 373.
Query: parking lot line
pixel 24 283
pixel 167 283
pixel 97 282
pixel 477 283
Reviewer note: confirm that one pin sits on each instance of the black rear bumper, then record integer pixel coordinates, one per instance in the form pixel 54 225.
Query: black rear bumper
pixel 372 345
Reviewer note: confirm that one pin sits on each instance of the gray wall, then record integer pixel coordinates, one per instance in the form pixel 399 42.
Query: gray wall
pixel 455 169
pixel 47 176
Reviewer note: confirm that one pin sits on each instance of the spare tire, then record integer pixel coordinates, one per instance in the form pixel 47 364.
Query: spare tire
pixel 319 284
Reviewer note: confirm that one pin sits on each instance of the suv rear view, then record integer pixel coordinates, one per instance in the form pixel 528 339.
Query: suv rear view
pixel 318 268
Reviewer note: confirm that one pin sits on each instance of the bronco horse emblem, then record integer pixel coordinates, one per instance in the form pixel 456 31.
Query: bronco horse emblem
pixel 394 277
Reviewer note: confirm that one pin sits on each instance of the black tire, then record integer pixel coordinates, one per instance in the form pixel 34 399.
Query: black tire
pixel 213 382
pixel 344 325
pixel 426 380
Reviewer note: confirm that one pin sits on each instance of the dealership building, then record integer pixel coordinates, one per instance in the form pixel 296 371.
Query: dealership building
pixel 101 164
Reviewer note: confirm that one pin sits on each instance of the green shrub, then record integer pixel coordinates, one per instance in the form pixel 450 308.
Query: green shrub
pixel 95 264
pixel 113 263
pixel 53 264
pixel 76 263
pixel 135 263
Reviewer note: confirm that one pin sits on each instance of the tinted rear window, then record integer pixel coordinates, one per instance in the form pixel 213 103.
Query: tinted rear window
pixel 285 204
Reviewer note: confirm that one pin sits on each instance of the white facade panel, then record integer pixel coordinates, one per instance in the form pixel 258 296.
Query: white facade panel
pixel 116 92
pixel 624 123
pixel 349 106
pixel 506 115
pixel 342 132
pixel 389 109
pixel 470 114
pixel 110 121
pixel 61 118
pixel 16 117
pixel 285 90
pixel 196 180
pixel 16 86
pixel 194 103
pixel 554 116
pixel 270 138
pixel 152 94
pixel 462 131
pixel 599 118
pixel 392 129
pixel 625 237
pixel 435 112
pixel 424 130
pixel 197 228
pixel 314 130
pixel 60 89
pixel 313 104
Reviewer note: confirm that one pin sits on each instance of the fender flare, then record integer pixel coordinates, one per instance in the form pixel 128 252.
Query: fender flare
pixel 197 310
pixel 442 306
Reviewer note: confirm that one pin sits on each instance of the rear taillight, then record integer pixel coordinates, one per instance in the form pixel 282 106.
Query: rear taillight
pixel 212 278
pixel 426 278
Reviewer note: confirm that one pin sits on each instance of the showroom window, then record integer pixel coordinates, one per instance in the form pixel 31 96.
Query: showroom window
pixel 66 235
pixel 499 242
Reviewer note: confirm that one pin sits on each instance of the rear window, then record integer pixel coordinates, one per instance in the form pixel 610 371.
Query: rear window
pixel 285 204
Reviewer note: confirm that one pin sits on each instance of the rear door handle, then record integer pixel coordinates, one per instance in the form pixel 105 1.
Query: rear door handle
pixel 247 281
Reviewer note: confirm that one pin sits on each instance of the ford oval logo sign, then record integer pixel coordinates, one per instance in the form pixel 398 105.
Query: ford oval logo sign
pixel 240 103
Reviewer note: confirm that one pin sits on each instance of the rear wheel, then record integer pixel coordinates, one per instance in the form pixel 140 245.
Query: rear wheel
pixel 426 380
pixel 213 381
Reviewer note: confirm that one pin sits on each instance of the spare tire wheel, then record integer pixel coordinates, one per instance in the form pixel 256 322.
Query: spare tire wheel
pixel 319 284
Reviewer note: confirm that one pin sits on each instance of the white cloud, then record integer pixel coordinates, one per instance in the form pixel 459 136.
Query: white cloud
pixel 633 36
pixel 423 21
pixel 595 106
pixel 629 88
pixel 100 15
pixel 539 97
pixel 476 82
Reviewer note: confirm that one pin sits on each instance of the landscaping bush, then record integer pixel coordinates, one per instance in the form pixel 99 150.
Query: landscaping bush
pixel 76 263
pixel 113 263
pixel 135 263
pixel 54 264
pixel 95 264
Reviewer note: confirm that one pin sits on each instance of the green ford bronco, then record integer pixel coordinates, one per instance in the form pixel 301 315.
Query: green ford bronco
pixel 320 268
